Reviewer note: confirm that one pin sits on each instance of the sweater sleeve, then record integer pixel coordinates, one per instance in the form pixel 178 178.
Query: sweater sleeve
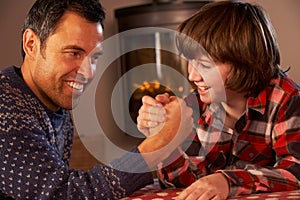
pixel 32 169
pixel 35 151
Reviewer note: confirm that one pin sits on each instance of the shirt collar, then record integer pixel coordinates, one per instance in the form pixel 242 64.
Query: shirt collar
pixel 214 116
pixel 259 102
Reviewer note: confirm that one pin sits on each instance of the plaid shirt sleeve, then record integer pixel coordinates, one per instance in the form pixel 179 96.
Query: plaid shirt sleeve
pixel 184 165
pixel 275 163
pixel 284 174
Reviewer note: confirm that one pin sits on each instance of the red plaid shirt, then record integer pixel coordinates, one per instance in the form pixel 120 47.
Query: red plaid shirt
pixel 262 153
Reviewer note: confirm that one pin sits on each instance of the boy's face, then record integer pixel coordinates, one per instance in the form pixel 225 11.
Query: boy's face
pixel 67 63
pixel 209 77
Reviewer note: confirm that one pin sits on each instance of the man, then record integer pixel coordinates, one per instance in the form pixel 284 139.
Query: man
pixel 247 136
pixel 61 44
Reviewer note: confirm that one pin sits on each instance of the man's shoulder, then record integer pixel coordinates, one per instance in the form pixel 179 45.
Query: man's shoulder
pixel 7 71
pixel 9 76
pixel 14 94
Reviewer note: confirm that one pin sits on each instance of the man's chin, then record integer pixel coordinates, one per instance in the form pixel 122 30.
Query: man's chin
pixel 70 105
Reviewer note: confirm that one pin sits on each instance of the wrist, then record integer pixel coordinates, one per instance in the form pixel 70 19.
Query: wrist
pixel 153 151
pixel 227 186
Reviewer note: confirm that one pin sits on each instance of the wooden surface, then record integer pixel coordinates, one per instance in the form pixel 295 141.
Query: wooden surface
pixel 154 192
pixel 80 157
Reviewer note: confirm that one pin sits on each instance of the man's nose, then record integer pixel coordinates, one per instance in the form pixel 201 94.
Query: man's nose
pixel 87 69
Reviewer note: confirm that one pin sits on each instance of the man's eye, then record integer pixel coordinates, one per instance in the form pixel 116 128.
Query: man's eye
pixel 74 54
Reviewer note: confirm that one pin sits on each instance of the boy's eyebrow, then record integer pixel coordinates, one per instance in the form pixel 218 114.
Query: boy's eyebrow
pixel 203 60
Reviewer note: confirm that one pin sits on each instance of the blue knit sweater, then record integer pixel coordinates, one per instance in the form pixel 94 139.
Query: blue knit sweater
pixel 35 147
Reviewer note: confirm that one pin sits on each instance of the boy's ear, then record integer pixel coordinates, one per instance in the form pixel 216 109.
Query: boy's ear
pixel 30 43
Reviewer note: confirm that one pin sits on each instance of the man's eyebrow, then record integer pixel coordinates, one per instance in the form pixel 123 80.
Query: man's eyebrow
pixel 74 47
pixel 96 52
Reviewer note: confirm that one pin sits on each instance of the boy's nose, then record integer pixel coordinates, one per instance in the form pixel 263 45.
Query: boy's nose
pixel 194 74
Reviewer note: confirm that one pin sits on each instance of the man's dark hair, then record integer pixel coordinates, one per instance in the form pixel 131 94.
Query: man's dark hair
pixel 44 15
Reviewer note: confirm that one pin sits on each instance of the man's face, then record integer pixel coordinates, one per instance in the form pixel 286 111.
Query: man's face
pixel 67 63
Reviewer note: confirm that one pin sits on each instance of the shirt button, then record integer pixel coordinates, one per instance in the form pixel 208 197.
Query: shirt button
pixel 251 155
pixel 241 180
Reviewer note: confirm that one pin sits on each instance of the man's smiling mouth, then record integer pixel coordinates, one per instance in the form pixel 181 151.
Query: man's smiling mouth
pixel 76 85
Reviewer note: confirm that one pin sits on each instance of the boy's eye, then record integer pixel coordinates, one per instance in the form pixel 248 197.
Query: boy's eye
pixel 198 63
pixel 205 65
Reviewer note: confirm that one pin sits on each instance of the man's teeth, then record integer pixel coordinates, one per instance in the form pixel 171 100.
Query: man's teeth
pixel 76 86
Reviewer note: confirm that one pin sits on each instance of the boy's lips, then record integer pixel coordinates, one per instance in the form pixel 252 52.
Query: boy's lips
pixel 201 86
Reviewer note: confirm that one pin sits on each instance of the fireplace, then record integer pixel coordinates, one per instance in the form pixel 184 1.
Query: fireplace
pixel 154 79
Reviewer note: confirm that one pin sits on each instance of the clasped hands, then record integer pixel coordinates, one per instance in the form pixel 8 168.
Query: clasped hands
pixel 165 120
pixel 152 114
